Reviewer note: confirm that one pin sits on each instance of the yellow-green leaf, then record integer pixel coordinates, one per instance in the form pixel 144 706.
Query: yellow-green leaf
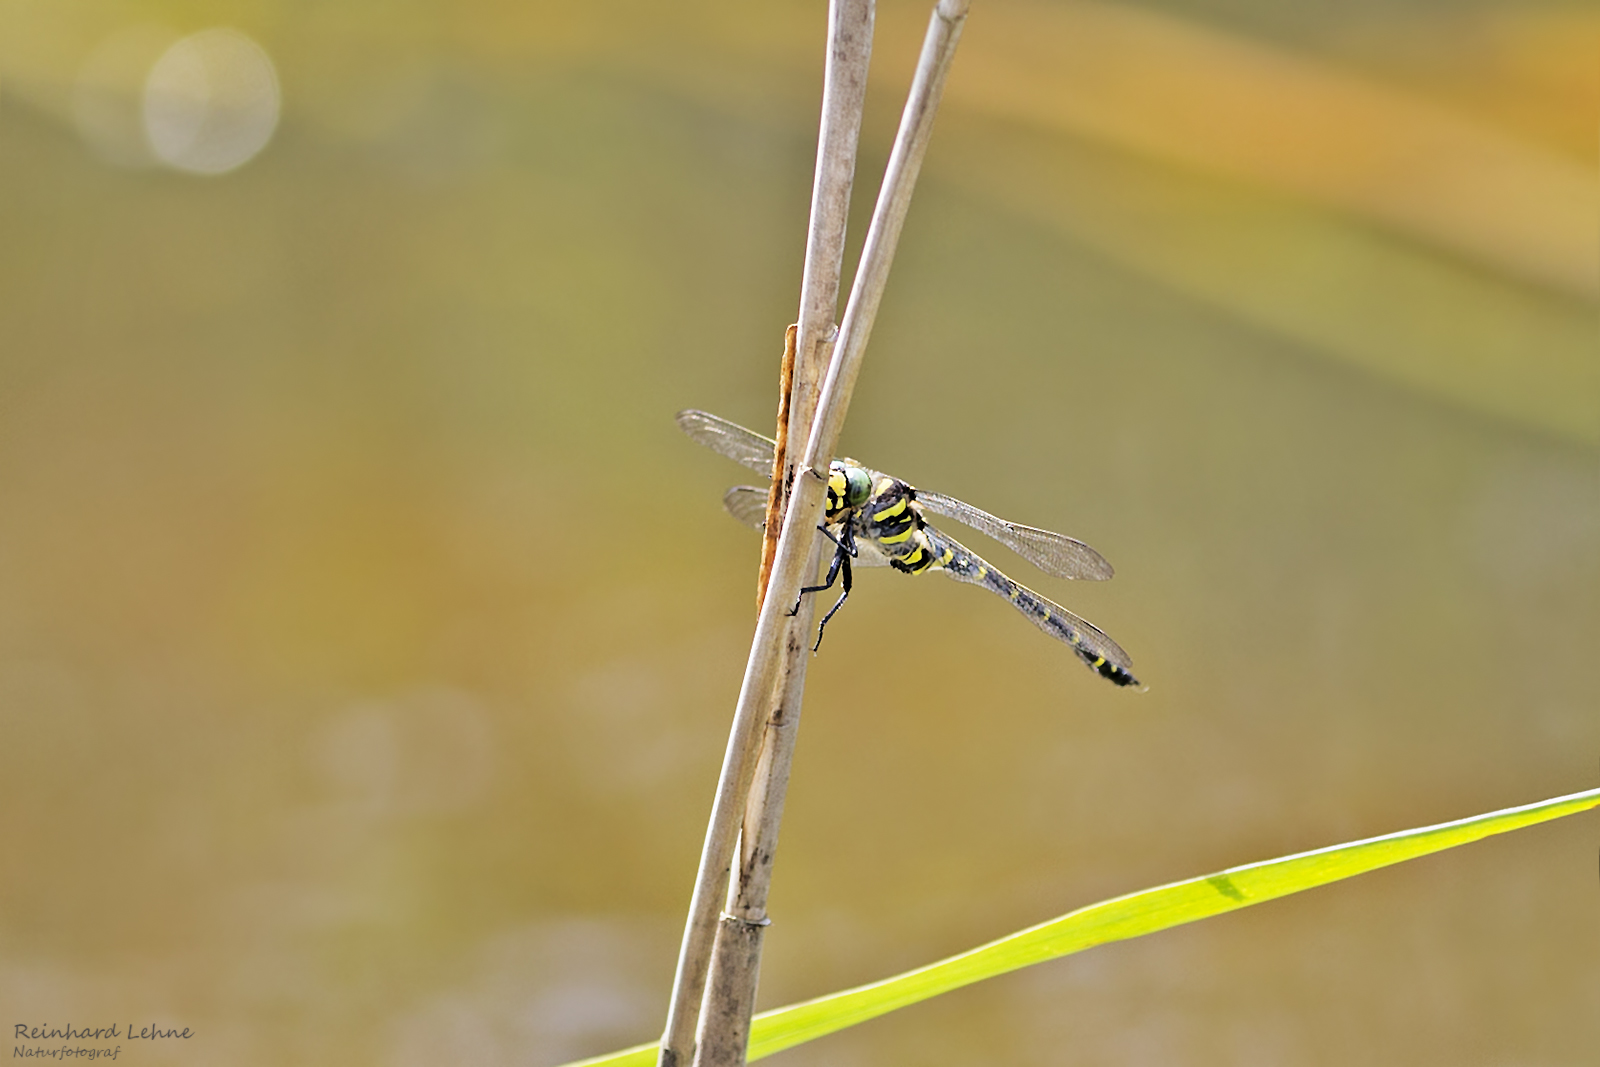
pixel 1134 915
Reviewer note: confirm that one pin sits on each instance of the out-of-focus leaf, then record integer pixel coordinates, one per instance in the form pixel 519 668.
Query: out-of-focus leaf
pixel 1396 309
pixel 1291 123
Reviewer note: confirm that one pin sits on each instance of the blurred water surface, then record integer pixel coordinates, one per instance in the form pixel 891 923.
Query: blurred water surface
pixel 368 633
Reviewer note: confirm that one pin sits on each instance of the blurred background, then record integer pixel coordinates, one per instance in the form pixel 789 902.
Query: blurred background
pixel 369 634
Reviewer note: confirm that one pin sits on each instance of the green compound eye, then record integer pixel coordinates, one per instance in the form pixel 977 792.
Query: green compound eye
pixel 858 486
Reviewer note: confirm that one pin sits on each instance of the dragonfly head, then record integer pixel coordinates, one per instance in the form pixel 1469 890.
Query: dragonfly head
pixel 848 487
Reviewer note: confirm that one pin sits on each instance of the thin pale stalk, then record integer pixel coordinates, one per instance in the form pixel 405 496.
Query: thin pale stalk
pixel 738 766
pixel 883 235
pixel 742 950
pixel 736 955
pixel 773 648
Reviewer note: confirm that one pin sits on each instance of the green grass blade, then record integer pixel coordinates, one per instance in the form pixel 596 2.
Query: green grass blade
pixel 1125 917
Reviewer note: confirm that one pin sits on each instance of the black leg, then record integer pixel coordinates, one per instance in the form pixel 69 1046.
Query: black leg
pixel 840 557
pixel 848 543
pixel 846 548
pixel 824 623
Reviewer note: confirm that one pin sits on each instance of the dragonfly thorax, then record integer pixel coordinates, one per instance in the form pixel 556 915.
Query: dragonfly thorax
pixel 849 486
pixel 892 520
pixel 890 514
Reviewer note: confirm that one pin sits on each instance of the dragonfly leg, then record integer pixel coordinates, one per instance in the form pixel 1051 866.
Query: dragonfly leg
pixel 841 560
pixel 841 557
pixel 848 543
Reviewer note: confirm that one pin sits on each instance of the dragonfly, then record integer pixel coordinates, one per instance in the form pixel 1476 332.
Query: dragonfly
pixel 877 520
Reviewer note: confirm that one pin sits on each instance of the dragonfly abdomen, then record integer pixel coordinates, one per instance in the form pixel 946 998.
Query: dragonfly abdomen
pixel 1046 614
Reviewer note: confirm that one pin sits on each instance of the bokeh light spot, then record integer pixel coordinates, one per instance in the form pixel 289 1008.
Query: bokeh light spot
pixel 211 102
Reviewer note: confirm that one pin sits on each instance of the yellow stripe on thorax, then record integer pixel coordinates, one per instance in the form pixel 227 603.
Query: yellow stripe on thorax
pixel 890 512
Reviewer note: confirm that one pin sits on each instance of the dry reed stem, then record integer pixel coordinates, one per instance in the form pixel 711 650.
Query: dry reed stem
pixel 724 1031
pixel 894 200
pixel 797 549
pixel 844 90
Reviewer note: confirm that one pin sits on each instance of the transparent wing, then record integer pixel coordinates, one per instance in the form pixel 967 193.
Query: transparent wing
pixel 748 504
pixel 867 554
pixel 729 439
pixel 1053 553
pixel 1092 644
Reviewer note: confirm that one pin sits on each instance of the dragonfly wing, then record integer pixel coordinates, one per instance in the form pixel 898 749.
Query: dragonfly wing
pixel 747 504
pixel 729 439
pixel 867 554
pixel 1092 644
pixel 1055 554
